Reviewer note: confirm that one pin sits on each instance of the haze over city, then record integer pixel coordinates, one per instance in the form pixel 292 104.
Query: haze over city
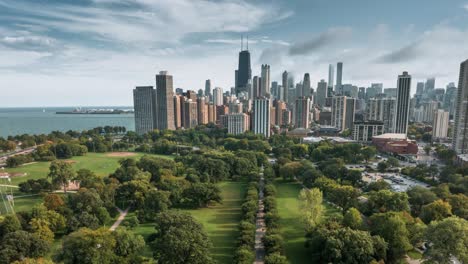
pixel 57 53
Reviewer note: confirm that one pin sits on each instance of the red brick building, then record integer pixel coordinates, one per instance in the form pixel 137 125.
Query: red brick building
pixel 395 144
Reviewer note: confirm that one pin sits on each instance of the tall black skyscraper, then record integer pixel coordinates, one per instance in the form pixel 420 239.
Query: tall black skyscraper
pixel 244 71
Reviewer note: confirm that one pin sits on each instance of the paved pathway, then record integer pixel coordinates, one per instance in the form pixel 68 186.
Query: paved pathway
pixel 260 224
pixel 120 219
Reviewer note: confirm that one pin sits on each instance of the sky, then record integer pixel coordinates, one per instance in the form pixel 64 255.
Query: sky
pixel 94 52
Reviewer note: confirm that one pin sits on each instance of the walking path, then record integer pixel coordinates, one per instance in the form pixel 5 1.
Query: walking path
pixel 260 224
pixel 122 216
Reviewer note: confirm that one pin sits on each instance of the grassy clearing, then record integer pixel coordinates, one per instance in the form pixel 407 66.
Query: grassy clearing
pixel 99 163
pixel 290 221
pixel 221 221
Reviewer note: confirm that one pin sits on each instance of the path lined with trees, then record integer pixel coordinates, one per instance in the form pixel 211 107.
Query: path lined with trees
pixel 260 225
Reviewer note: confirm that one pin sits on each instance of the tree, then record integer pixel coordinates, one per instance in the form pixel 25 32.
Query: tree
pixel 382 166
pixel 53 201
pixel 427 149
pixel 63 151
pixel 391 227
pixel 127 244
pixel 155 202
pixel 61 173
pixel 368 153
pixel 88 246
pixel 353 219
pixel 290 170
pixel 9 224
pixel 378 186
pixel 418 197
pixel 386 200
pixel 180 239
pixel 8 146
pixel 459 203
pixel 435 211
pixel 200 194
pixel 345 245
pixel 40 227
pixel 21 244
pixel 276 258
pixel 344 196
pixel 393 162
pixel 448 238
pixel 310 204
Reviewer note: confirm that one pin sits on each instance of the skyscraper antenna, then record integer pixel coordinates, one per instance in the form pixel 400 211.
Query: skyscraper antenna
pixel 242 42
pixel 247 42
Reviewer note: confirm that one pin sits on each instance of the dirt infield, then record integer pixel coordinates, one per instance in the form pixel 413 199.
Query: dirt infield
pixel 120 154
pixel 70 161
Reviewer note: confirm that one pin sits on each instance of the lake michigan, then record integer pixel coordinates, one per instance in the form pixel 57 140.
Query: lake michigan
pixel 43 120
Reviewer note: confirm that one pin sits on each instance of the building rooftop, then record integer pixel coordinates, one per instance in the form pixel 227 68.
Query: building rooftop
pixel 391 136
pixel 313 139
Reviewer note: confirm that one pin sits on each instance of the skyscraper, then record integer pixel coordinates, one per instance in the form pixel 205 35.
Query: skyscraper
pixel 177 111
pixel 403 103
pixel 144 104
pixel 339 78
pixel 274 90
pixel 190 114
pixel 244 70
pixel 440 124
pixel 256 86
pixel 261 116
pixel 382 109
pixel 460 131
pixel 322 90
pixel 202 111
pixel 218 96
pixel 342 112
pixel 301 112
pixel 284 97
pixel 331 80
pixel 164 101
pixel 208 90
pixel 419 88
pixel 306 86
pixel 265 81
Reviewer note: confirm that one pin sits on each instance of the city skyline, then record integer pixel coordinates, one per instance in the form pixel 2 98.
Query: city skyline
pixel 67 55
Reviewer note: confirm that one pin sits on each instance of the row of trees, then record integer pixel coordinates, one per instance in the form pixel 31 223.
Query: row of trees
pixel 273 240
pixel 246 241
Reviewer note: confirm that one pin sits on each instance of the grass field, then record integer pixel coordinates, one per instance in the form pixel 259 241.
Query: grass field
pixel 100 163
pixel 290 221
pixel 221 221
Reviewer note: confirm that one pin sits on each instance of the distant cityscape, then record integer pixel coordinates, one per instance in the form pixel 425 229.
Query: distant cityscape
pixel 374 114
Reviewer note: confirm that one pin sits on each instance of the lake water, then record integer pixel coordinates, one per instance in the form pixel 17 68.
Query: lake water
pixel 17 121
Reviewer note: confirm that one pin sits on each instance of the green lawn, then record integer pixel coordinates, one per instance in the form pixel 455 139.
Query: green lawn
pixel 221 221
pixel 99 163
pixel 290 221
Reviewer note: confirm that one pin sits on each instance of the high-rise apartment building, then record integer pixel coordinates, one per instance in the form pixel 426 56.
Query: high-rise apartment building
pixel 261 116
pixel 164 101
pixel 382 109
pixel 279 108
pixel 265 81
pixel 302 112
pixel 339 78
pixel 342 112
pixel 285 85
pixel 460 131
pixel 236 123
pixel 403 103
pixel 256 87
pixel 144 104
pixel 321 95
pixel 202 111
pixel 177 111
pixel 218 96
pixel 440 124
pixel 190 114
